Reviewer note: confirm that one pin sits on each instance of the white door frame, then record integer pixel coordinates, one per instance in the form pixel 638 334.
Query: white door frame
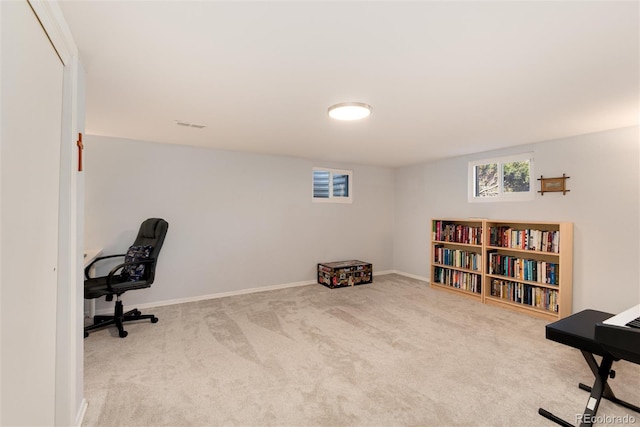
pixel 69 396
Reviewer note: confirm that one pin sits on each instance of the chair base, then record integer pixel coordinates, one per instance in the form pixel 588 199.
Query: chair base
pixel 118 319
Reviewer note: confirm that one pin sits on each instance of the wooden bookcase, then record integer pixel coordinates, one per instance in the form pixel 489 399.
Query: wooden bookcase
pixel 456 256
pixel 529 267
pixel 522 265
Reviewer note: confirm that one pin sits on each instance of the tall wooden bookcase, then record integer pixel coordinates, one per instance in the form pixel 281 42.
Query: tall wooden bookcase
pixel 520 265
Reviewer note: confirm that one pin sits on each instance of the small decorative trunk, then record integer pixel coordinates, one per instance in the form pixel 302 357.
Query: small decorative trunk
pixel 344 273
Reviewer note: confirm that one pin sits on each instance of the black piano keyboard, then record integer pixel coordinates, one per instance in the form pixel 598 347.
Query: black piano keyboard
pixel 635 323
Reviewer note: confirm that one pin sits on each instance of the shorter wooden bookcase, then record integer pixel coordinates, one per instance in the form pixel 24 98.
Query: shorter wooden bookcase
pixel 520 265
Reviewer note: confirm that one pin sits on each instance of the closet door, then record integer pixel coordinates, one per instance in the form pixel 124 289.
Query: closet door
pixel 31 110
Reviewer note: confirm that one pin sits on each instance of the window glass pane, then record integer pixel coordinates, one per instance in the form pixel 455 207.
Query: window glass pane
pixel 486 180
pixel 321 184
pixel 515 176
pixel 340 185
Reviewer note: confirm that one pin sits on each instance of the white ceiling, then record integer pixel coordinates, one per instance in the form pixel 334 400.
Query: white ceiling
pixel 443 78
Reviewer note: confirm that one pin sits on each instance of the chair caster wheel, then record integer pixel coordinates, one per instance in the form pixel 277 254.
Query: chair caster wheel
pixel 86 334
pixel 123 334
pixel 154 320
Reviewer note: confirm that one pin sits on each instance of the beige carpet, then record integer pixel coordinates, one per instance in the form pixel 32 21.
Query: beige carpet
pixel 391 353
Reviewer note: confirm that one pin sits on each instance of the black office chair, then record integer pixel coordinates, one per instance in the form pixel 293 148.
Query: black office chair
pixel 137 272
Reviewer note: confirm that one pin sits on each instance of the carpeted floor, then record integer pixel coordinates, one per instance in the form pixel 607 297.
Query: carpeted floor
pixel 391 353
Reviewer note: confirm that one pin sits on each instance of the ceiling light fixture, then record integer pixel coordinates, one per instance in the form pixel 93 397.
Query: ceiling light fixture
pixel 350 111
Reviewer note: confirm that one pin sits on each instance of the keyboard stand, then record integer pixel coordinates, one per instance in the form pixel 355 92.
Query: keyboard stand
pixel 577 331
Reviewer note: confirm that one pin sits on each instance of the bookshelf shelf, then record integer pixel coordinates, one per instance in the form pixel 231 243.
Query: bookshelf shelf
pixel 457 291
pixel 527 251
pixel 452 267
pixel 526 282
pixel 435 242
pixel 522 308
pixel 520 265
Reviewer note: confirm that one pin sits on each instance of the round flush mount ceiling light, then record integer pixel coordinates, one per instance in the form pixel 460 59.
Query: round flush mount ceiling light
pixel 350 111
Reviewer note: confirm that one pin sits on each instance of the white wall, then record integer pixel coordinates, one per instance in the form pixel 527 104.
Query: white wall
pixel 240 220
pixel 236 220
pixel 603 205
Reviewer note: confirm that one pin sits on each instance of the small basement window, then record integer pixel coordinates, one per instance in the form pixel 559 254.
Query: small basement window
pixel 332 185
pixel 501 179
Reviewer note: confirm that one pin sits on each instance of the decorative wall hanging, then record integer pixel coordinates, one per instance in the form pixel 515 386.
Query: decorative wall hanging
pixel 552 185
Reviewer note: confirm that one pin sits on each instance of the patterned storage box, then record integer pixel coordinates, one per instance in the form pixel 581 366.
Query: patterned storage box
pixel 344 273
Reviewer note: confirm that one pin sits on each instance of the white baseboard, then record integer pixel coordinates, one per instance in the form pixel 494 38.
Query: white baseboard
pixel 81 412
pixel 108 311
pixel 382 273
pixel 412 276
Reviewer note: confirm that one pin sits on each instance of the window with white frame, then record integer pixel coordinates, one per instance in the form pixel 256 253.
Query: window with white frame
pixel 501 179
pixel 332 185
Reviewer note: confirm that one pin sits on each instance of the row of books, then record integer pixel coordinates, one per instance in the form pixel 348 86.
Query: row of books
pixel 525 294
pixel 527 239
pixel 458 279
pixel 457 233
pixel 524 269
pixel 457 258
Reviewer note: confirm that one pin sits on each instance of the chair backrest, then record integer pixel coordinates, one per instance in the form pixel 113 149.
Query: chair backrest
pixel 152 232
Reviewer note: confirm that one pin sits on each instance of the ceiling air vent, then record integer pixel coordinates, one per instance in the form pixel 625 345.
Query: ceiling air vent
pixel 187 124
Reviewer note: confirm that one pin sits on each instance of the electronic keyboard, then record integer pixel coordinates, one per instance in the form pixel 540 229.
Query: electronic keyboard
pixel 620 335
pixel 626 318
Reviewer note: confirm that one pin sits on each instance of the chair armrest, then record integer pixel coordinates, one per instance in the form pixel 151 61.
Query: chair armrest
pixel 118 267
pixel 88 267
